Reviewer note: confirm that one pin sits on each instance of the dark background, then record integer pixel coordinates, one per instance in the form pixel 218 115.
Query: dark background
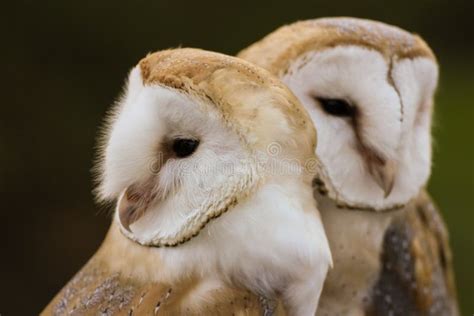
pixel 64 62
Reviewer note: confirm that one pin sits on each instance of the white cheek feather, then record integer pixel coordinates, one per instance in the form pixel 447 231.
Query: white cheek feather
pixel 416 80
pixel 361 76
pixel 355 74
pixel 272 241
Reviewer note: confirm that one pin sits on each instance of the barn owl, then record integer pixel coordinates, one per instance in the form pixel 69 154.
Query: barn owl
pixel 204 204
pixel 369 89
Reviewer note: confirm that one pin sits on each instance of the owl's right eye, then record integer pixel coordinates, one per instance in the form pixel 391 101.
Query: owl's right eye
pixel 184 147
pixel 337 107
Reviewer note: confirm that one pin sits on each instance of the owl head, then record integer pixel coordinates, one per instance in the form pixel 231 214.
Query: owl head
pixel 369 89
pixel 192 137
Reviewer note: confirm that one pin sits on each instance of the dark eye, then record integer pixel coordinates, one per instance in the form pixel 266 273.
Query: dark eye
pixel 184 147
pixel 337 107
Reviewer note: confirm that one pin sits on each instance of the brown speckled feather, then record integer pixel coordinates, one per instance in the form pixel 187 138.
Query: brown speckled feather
pixel 392 263
pixel 98 289
pixel 416 277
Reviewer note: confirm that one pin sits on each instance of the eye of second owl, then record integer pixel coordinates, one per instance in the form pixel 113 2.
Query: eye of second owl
pixel 337 107
pixel 184 147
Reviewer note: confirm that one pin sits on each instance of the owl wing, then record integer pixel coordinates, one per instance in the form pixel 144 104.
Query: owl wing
pixel 417 273
pixel 96 291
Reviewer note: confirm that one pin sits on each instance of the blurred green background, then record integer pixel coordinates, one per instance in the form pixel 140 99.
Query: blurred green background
pixel 64 62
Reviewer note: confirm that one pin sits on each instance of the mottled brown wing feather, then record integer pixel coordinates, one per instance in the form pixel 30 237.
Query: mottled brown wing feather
pixel 96 291
pixel 417 275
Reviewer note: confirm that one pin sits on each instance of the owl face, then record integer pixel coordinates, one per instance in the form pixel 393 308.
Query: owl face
pixel 369 88
pixel 166 157
pixel 183 146
pixel 374 118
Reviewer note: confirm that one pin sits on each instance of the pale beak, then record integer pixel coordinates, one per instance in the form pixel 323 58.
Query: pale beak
pixel 384 175
pixel 132 204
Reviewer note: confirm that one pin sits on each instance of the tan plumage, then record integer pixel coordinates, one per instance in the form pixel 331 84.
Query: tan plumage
pixel 276 51
pixel 99 289
pixel 217 77
pixel 212 250
pixel 393 263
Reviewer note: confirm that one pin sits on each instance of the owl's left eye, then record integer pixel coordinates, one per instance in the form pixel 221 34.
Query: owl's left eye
pixel 337 107
pixel 184 147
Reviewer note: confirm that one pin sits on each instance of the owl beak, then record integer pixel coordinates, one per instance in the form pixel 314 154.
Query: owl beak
pixel 384 175
pixel 132 205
